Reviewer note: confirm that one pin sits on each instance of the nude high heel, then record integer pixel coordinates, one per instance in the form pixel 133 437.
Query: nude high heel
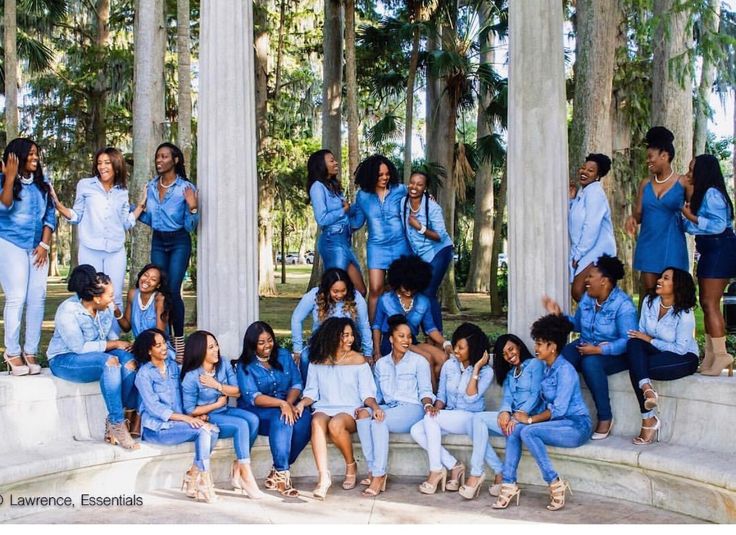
pixel 15 369
pixel 453 484
pixel 33 367
pixel 639 441
pixel 468 492
pixel 325 482
pixel 557 494
pixel 429 488
pixel 508 492
pixel 350 479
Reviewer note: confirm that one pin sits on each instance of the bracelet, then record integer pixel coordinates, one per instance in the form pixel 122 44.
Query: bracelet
pixel 219 387
pixel 446 344
pixel 476 377
pixel 44 246
pixel 118 317
pixel 422 230
pixel 428 405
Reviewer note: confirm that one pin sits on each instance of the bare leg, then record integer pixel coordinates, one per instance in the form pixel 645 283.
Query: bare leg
pixel 578 284
pixel 436 358
pixel 357 278
pixel 647 282
pixel 320 422
pixel 711 291
pixel 375 278
pixel 340 429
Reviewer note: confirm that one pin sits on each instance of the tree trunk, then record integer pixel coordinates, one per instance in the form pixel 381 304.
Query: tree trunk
pixel 351 83
pixel 711 22
pixel 184 100
pixel 498 213
pixel 409 129
pixel 432 105
pixel 11 70
pixel 97 134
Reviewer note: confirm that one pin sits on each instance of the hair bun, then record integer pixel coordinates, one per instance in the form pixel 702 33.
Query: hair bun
pixel 659 135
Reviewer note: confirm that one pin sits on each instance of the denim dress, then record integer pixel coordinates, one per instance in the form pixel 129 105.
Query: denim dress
pixel 334 224
pixel 386 238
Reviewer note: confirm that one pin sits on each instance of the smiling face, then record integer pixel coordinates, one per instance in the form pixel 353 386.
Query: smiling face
pixel 462 351
pixel 159 349
pixel 331 164
pixel 544 350
pixel 32 160
pixel 338 291
pixel 665 285
pixel 588 173
pixel 417 185
pixel 165 160
pixel 105 170
pixel 101 302
pixel 346 339
pixel 401 339
pixel 212 356
pixel 511 353
pixel 264 346
pixel 595 283
pixel 657 160
pixel 150 280
pixel 383 176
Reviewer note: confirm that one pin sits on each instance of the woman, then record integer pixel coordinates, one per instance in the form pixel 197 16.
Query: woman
pixel 338 384
pixel 332 214
pixel 464 379
pixel 408 276
pixel 521 392
pixel 206 385
pixel 27 220
pixel 335 297
pixel 424 226
pixel 164 421
pixel 149 303
pixel 661 241
pixel 379 203
pixel 102 211
pixel 589 222
pixel 85 348
pixel 404 386
pixel 564 423
pixel 604 318
pixel 663 347
pixel 271 385
pixel 170 209
pixel 709 216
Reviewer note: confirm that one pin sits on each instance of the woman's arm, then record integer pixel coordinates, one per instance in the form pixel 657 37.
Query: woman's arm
pixel 480 381
pixel 635 217
pixel 124 322
pixel 303 309
pixel 10 172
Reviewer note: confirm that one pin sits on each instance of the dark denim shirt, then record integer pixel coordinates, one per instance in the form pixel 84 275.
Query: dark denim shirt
pixel 523 393
pixel 561 390
pixel 160 395
pixel 611 324
pixel 256 379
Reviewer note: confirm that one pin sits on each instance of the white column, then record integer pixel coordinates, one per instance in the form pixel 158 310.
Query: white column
pixel 227 253
pixel 537 162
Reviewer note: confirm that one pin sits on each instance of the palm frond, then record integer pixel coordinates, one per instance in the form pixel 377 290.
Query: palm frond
pixel 384 129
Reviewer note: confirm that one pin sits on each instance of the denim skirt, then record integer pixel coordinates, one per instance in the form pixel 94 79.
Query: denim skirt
pixel 717 255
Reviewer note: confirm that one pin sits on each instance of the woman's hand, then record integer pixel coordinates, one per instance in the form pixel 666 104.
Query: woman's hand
pixel 297 358
pixel 510 427
pixel 221 401
pixel 503 421
pixel 551 305
pixel 376 355
pixel 345 206
pixel 298 410
pixel 431 410
pixel 587 349
pixel 640 336
pixel 209 381
pixel 630 225
pixel 190 196
pixel 194 422
pixel 689 213
pixel 287 413
pixel 482 362
pixel 414 222
pixel 521 416
pixel 378 414
pixel 40 256
pixel 447 347
pixel 10 169
pixel 120 344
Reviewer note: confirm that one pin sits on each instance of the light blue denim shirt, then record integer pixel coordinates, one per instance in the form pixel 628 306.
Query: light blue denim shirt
pixel 454 383
pixel 336 389
pixel 672 332
pixel 102 216
pixel 561 390
pixel 409 381
pixel 611 324
pixel 195 394
pixel 256 380
pixel 172 213
pixel 523 393
pixel 385 231
pixel 22 222
pixel 713 216
pixel 160 395
pixel 328 210
pixel 423 246
pixel 77 331
pixel 590 226
pixel 308 305
pixel 420 313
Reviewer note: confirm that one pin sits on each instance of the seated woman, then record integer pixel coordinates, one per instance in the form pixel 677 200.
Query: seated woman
pixel 338 384
pixel 463 381
pixel 404 386
pixel 206 384
pixel 162 414
pixel 663 347
pixel 521 392
pixel 85 348
pixel 408 276
pixel 604 318
pixel 335 297
pixel 271 385
pixel 564 423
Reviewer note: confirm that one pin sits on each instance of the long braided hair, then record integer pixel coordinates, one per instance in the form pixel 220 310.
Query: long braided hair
pixel 426 204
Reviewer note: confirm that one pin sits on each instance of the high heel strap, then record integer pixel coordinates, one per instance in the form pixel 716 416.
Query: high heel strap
pixel 508 492
pixel 557 494
pixel 16 369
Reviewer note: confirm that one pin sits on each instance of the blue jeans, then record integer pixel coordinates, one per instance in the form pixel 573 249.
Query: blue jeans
pixel 117 382
pixel 567 432
pixel 171 251
pixel 595 370
pixel 239 424
pixel 374 435
pixel 286 441
pixel 179 432
pixel 439 263
pixel 483 423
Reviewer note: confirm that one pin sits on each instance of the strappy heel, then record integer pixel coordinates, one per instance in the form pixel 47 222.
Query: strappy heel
pixel 282 481
pixel 366 481
pixel 506 495
pixel 15 369
pixel 639 441
pixel 650 402
pixel 325 482
pixel 469 492
pixel 453 484
pixel 430 488
pixel 270 482
pixel 205 488
pixel 557 494
pixel 34 368
pixel 350 479
pixel 369 492
pixel 188 483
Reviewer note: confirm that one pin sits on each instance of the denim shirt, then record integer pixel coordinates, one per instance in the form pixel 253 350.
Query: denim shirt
pixel 160 395
pixel 384 218
pixel 419 314
pixel 22 222
pixel 713 216
pixel 454 383
pixel 523 393
pixel 328 209
pixel 256 380
pixel 172 213
pixel 409 381
pixel 589 225
pixel 102 216
pixel 611 324
pixel 423 246
pixel 308 305
pixel 561 390
pixel 672 332
pixel 77 331
pixel 195 394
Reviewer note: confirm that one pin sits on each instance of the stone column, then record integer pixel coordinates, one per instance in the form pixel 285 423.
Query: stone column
pixel 227 252
pixel 537 162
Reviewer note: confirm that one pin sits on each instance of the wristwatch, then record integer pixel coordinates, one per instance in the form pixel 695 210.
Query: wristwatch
pixel 529 420
pixel 193 211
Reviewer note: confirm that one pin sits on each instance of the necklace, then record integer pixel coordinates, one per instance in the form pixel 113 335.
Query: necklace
pixel 147 305
pixel 161 183
pixel 518 371
pixel 666 307
pixel 415 212
pixel 26 180
pixel 665 180
pixel 262 359
pixel 406 308
pixel 599 305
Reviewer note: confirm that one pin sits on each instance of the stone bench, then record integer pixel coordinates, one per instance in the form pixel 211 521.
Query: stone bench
pixel 51 433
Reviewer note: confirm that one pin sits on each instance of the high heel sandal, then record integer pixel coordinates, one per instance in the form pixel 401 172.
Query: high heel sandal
pixel 454 483
pixel 369 492
pixel 600 436
pixel 469 492
pixel 323 486
pixel 270 482
pixel 350 479
pixel 650 402
pixel 430 488
pixel 557 494
pixel 282 481
pixel 205 488
pixel 15 369
pixel 118 435
pixel 189 483
pixel 639 441
pixel 366 481
pixel 508 492
pixel 34 368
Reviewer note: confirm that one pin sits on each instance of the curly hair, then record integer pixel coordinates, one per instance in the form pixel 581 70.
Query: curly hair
pixel 409 272
pixel 143 344
pixel 552 328
pixel 477 340
pixel 325 305
pixel 661 139
pixel 87 282
pixel 250 344
pixel 610 267
pixel 195 351
pixel 602 161
pixel 326 340
pixel 683 289
pixel 500 366
pixel 366 175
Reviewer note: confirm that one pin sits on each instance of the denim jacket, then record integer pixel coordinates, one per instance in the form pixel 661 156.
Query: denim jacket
pixel 22 222
pixel 672 332
pixel 713 216
pixel 423 246
pixel 160 395
pixel 409 381
pixel 611 324
pixel 523 393
pixel 561 390
pixel 256 380
pixel 195 394
pixel 328 209
pixel 77 331
pixel 454 383
pixel 172 213
pixel 419 315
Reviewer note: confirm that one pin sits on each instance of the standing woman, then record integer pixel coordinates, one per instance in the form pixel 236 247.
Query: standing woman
pixel 661 241
pixel 27 220
pixel 425 230
pixel 589 222
pixel 332 213
pixel 709 216
pixel 379 203
pixel 170 209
